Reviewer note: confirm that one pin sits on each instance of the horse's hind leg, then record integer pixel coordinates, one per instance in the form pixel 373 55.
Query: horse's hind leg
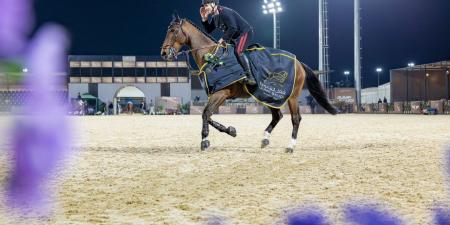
pixel 276 117
pixel 296 118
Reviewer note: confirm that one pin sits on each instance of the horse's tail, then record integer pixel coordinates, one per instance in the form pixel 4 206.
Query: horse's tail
pixel 316 90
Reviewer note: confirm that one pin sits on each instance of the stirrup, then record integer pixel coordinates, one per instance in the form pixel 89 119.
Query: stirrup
pixel 250 80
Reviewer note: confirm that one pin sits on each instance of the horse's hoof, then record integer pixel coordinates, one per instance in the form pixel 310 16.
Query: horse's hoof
pixel 231 131
pixel 289 150
pixel 205 145
pixel 265 143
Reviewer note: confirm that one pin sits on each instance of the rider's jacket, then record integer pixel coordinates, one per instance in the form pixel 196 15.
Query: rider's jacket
pixel 230 22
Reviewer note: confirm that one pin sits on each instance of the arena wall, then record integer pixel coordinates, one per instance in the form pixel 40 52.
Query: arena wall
pixel 182 90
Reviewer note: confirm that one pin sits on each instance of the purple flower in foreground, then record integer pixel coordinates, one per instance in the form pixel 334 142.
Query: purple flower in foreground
pixel 447 163
pixel 15 23
pixel 41 138
pixel 442 217
pixel 306 217
pixel 370 215
pixel 215 221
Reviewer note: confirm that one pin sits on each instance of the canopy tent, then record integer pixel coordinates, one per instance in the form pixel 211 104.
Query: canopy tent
pixel 89 97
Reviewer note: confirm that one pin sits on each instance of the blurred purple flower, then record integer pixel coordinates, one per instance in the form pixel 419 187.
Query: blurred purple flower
pixel 215 221
pixel 442 217
pixel 447 166
pixel 306 217
pixel 370 215
pixel 15 24
pixel 40 139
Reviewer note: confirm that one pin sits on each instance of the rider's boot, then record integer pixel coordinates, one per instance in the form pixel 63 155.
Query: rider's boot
pixel 245 63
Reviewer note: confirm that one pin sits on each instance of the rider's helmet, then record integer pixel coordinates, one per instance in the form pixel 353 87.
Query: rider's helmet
pixel 204 2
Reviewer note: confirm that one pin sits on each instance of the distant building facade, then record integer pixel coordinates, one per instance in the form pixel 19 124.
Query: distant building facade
pixel 125 79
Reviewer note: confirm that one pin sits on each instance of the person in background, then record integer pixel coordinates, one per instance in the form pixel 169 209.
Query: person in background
pixel 385 100
pixel 110 108
pixel 379 101
pixel 79 97
pixel 85 108
pixel 130 108
pixel 143 108
pixel 312 103
pixel 152 108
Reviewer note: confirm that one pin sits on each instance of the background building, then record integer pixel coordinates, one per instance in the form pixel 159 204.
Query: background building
pixel 421 82
pixel 124 79
pixel 373 94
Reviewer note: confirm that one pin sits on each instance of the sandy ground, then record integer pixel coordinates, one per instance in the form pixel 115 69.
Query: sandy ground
pixel 149 170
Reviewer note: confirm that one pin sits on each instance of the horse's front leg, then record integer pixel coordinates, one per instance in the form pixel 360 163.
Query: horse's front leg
pixel 214 102
pixel 228 130
pixel 205 128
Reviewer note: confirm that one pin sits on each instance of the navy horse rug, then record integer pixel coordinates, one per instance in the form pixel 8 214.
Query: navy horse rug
pixel 274 71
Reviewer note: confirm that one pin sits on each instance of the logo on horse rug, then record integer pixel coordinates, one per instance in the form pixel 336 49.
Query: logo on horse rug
pixel 274 71
pixel 278 77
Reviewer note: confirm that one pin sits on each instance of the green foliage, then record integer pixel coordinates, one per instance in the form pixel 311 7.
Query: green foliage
pixel 12 70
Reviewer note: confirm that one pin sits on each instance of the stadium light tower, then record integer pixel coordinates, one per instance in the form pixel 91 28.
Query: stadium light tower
pixel 346 74
pixel 357 49
pixel 274 7
pixel 379 70
pixel 411 66
pixel 324 57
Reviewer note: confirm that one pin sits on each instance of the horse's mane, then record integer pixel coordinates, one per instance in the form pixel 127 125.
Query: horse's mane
pixel 201 30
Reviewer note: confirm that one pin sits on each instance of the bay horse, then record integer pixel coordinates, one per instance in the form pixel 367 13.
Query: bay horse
pixel 183 32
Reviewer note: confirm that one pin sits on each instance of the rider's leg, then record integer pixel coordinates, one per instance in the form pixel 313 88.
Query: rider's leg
pixel 241 45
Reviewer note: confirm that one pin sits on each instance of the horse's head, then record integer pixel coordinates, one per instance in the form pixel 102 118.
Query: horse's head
pixel 175 39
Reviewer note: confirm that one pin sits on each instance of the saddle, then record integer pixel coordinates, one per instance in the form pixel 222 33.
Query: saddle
pixel 273 70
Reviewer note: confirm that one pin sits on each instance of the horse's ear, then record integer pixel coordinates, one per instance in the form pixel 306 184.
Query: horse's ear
pixel 175 17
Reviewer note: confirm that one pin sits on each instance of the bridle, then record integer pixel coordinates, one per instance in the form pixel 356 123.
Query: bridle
pixel 172 51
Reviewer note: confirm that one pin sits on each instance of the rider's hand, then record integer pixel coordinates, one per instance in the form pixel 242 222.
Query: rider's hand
pixel 204 13
pixel 221 41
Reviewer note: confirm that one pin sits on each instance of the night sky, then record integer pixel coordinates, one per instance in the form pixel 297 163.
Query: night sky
pixel 394 32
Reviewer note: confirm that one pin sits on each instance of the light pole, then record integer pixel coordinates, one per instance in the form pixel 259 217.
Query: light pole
pixel 274 7
pixel 410 67
pixel 426 86
pixel 357 49
pixel 379 71
pixel 447 72
pixel 346 74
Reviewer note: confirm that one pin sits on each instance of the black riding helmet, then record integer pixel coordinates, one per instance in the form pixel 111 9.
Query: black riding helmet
pixel 204 2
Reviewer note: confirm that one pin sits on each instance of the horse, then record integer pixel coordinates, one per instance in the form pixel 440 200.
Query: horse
pixel 183 32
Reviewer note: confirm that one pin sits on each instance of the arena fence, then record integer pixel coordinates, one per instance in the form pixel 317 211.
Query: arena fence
pixel 441 107
pixel 11 100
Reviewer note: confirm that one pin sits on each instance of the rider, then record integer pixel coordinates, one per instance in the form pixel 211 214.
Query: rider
pixel 236 31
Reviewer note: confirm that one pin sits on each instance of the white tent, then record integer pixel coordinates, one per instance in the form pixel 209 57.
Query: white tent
pixel 130 92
